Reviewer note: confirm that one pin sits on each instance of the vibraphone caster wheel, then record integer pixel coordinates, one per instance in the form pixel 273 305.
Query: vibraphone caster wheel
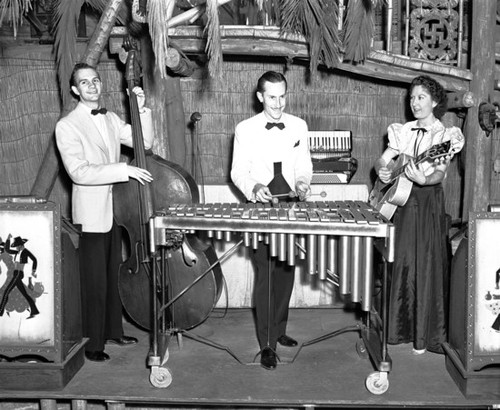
pixel 361 349
pixel 377 382
pixel 160 377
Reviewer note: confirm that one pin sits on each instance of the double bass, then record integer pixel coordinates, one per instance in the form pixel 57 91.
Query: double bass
pixel 134 205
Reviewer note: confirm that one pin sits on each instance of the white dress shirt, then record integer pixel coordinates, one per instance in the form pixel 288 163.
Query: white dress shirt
pixel 256 149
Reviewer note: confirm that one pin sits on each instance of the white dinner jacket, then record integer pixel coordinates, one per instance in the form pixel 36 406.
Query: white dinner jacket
pixel 93 165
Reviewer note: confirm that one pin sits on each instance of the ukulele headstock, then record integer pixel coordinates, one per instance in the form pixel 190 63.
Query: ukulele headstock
pixel 439 150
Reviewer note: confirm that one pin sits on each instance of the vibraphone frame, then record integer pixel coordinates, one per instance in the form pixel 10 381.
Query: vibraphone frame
pixel 312 220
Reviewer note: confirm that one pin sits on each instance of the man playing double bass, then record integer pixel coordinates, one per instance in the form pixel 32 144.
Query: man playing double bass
pixel 89 140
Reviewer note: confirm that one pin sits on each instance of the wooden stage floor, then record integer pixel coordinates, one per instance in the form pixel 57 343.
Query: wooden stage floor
pixel 328 374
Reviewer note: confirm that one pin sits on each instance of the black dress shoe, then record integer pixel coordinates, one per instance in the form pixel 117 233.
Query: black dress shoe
pixel 97 356
pixel 268 359
pixel 287 341
pixel 122 341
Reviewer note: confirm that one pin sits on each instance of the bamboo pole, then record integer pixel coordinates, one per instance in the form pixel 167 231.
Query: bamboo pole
pixel 389 26
pixel 478 145
pixel 190 15
pixel 461 100
pixel 100 37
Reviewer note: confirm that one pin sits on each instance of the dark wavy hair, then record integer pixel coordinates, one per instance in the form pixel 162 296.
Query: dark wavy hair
pixel 271 77
pixel 78 67
pixel 436 91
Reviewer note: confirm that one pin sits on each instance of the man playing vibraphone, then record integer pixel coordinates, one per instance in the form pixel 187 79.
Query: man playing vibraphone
pixel 270 156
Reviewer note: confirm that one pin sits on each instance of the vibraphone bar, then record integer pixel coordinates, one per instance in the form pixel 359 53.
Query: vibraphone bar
pixel 336 237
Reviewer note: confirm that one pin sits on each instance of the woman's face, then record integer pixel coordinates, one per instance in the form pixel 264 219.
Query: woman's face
pixel 421 103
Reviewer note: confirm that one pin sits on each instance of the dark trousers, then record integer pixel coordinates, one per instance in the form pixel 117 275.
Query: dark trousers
pixel 100 258
pixel 17 281
pixel 282 280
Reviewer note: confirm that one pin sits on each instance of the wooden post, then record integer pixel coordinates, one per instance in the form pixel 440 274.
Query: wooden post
pixel 478 145
pixel 464 99
pixel 77 404
pixel 115 405
pixel 48 404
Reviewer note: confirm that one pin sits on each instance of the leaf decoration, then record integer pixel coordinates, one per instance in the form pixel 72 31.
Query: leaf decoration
pixel 271 10
pixel 358 31
pixel 13 10
pixel 316 20
pixel 214 46
pixel 66 15
pixel 159 12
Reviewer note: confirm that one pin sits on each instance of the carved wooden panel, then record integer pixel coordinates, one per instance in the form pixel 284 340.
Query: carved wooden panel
pixel 434 30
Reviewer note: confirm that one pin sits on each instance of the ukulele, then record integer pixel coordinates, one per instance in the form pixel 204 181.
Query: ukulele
pixel 386 197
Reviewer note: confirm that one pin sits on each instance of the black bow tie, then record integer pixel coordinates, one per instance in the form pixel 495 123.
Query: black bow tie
pixel 99 111
pixel 418 129
pixel 270 125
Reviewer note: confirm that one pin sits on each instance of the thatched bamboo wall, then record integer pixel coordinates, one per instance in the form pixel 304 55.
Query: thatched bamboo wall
pixel 29 109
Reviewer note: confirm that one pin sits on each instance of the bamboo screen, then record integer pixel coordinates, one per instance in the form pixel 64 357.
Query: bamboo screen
pixel 29 109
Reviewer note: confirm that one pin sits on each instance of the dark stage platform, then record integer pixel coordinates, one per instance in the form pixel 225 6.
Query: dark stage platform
pixel 328 374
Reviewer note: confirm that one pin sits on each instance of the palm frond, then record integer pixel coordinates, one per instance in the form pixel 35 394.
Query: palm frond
pixel 12 11
pixel 316 20
pixel 66 24
pixel 358 30
pixel 270 9
pixel 213 47
pixel 159 12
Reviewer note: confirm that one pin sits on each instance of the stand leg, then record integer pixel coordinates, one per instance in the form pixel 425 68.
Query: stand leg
pixel 160 376
pixel 269 283
pixel 162 332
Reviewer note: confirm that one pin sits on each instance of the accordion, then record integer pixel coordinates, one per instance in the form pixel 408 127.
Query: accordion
pixel 331 157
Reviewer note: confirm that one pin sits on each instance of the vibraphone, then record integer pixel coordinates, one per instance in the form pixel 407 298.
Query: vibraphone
pixel 336 238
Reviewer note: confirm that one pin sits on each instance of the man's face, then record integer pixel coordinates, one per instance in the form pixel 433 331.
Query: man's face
pixel 88 86
pixel 273 99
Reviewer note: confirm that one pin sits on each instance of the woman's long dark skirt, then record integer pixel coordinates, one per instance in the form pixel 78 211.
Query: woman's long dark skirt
pixel 419 281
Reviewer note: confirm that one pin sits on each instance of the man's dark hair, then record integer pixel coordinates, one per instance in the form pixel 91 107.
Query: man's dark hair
pixel 76 68
pixel 436 91
pixel 271 77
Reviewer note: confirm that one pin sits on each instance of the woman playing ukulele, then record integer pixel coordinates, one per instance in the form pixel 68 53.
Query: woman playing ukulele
pixel 418 284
